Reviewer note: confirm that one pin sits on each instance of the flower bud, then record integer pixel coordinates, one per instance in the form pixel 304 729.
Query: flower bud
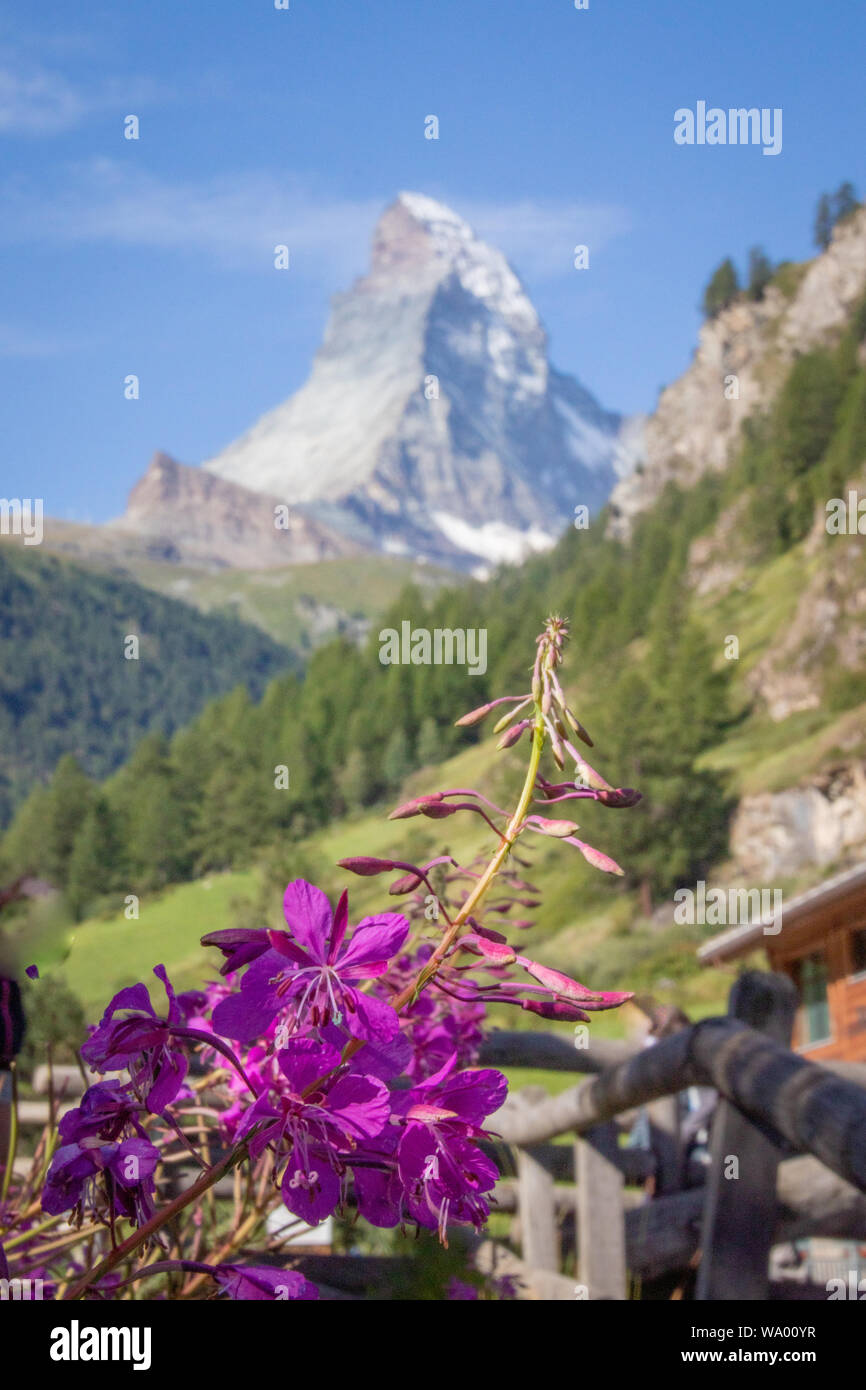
pixel 365 865
pixel 557 828
pixel 416 806
pixel 475 716
pixel 578 727
pixel 511 736
pixel 620 796
pixel 566 988
pixel 589 774
pixel 595 857
pixel 497 951
pixel 556 1009
pixel 407 884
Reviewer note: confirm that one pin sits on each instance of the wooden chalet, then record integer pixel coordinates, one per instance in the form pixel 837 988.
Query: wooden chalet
pixel 822 948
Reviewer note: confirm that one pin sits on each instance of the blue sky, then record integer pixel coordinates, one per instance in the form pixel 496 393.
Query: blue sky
pixel 259 127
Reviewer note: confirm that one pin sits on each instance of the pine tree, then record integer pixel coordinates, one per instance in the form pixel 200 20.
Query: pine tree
pixel 151 811
pixel 353 780
pixel 823 223
pixel 95 861
pixel 396 760
pixel 233 811
pixel 760 272
pixel 722 290
pixel 70 797
pixel 23 849
pixel 844 202
pixel 654 728
pixel 429 746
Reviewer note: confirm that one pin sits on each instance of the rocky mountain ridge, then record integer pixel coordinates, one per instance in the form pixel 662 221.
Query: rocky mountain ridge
pixel 201 519
pixel 741 359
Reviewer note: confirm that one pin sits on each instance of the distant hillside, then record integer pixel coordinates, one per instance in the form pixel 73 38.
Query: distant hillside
pixel 66 685
pixel 298 604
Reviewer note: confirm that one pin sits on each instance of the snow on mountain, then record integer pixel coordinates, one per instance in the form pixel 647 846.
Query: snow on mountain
pixel 432 422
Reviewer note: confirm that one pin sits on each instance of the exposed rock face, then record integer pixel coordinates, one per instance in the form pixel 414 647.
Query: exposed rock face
pixel 197 518
pixel 695 427
pixel 432 423
pixel 823 635
pixel 827 635
pixel 776 835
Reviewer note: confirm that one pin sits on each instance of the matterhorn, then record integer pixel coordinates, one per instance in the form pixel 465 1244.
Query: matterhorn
pixel 432 424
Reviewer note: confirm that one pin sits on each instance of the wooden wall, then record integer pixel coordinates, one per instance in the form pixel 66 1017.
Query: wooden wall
pixel 829 930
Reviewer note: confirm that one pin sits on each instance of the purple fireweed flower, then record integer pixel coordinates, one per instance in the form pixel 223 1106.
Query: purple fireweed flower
pixel 140 1041
pixel 309 976
pixel 263 1282
pixel 126 1170
pixel 378 1187
pixel 314 1133
pixel 444 1173
pixel 239 945
pixel 106 1111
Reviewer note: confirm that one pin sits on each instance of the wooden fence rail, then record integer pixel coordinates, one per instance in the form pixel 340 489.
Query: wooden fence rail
pixel 772 1103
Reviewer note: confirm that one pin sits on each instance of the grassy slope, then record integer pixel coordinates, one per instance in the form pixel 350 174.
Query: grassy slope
pixel 106 953
pixel 277 600
pixel 583 926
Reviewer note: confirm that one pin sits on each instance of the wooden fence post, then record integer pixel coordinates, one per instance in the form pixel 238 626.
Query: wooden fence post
pixel 536 1201
pixel 537 1208
pixel 740 1199
pixel 600 1215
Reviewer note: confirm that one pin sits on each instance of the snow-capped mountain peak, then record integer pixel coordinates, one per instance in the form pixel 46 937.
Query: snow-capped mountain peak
pixel 432 410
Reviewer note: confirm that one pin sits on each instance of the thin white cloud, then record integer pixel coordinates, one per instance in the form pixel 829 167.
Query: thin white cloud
pixel 239 219
pixel 235 219
pixel 37 102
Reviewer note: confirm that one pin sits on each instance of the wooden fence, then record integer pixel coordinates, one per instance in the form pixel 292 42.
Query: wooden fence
pixel 787 1159
pixel 787 1155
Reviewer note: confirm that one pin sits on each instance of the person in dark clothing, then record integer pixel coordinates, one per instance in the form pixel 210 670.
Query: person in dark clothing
pixel 12 1021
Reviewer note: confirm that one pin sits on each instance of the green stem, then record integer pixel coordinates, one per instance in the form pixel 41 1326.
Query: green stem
pixel 158 1220
pixel 13 1135
pixel 483 885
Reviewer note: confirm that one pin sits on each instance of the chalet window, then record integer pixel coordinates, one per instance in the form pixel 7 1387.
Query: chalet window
pixel 811 977
pixel 858 952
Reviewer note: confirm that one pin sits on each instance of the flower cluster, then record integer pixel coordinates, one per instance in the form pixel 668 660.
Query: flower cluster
pixel 336 1063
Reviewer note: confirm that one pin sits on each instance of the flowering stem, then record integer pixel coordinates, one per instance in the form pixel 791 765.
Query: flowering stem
pixel 158 1220
pixel 479 891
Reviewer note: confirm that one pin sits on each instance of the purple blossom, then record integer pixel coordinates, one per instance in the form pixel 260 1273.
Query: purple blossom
pixel 444 1172
pixel 459 1292
pixel 140 1041
pixel 106 1110
pixel 314 1130
pixel 239 945
pixel 309 975
pixel 122 1171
